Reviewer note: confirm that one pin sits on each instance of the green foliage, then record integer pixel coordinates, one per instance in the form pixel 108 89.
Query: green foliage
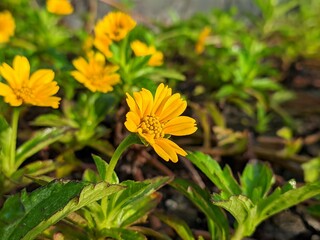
pixel 24 216
pixel 250 202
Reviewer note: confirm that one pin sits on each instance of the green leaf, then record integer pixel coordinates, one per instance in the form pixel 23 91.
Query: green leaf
pixel 26 215
pixel 265 84
pixel 217 221
pixel 122 234
pixel 223 179
pixel 256 181
pixel 180 226
pixel 169 73
pixel 311 170
pixel 128 206
pixel 288 199
pixel 243 210
pixel 5 143
pixel 39 141
pixel 102 167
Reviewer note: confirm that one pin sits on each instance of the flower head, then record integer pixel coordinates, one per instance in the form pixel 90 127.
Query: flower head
pixel 60 7
pixel 154 119
pixel 199 48
pixel 37 90
pixel 7 26
pixel 141 49
pixel 115 26
pixel 95 74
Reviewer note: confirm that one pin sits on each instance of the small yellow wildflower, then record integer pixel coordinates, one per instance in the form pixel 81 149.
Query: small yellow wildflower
pixel 60 7
pixel 102 42
pixel 38 90
pixel 7 26
pixel 141 49
pixel 115 26
pixel 199 48
pixel 154 119
pixel 94 74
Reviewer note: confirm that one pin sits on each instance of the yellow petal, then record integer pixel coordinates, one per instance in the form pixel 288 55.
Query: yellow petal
pixel 81 65
pixel 22 68
pixel 41 77
pixel 5 89
pixel 173 107
pixel 162 146
pixel 162 94
pixel 132 122
pixel 132 104
pixel 180 126
pixel 9 75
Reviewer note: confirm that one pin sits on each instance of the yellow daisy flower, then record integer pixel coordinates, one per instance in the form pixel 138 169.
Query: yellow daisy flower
pixel 7 26
pixel 37 90
pixel 115 26
pixel 199 48
pixel 94 74
pixel 141 49
pixel 154 119
pixel 102 42
pixel 60 7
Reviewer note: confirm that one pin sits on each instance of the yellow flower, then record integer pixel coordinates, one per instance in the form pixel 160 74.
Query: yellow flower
pixel 102 43
pixel 95 74
pixel 141 49
pixel 154 119
pixel 199 48
pixel 37 90
pixel 60 7
pixel 115 26
pixel 7 26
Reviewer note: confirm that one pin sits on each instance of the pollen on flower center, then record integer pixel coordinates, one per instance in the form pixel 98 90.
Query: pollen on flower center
pixel 24 93
pixel 151 125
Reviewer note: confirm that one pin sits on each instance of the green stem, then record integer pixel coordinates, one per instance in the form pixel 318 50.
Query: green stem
pixel 13 139
pixel 128 141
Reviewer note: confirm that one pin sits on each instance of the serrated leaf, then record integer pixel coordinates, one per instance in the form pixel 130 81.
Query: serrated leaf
pixel 256 181
pixel 223 179
pixel 47 205
pixel 217 222
pixel 124 208
pixel 239 206
pixel 287 199
pixel 42 139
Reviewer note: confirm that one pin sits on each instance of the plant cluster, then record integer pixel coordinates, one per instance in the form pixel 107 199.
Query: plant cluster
pixel 111 88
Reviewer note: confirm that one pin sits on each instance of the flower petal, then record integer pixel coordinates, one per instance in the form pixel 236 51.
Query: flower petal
pixel 9 75
pixel 132 122
pixel 22 68
pixel 180 126
pixel 173 107
pixel 40 77
pixel 166 148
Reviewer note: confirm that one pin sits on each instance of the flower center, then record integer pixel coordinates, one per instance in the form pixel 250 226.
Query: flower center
pixel 24 93
pixel 151 125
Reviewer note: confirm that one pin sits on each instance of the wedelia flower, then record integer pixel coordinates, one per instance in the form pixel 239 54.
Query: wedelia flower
pixel 154 119
pixel 199 48
pixel 37 90
pixel 94 74
pixel 7 26
pixel 115 26
pixel 141 49
pixel 59 7
pixel 102 42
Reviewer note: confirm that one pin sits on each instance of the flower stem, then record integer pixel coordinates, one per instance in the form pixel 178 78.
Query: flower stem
pixel 128 141
pixel 13 139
